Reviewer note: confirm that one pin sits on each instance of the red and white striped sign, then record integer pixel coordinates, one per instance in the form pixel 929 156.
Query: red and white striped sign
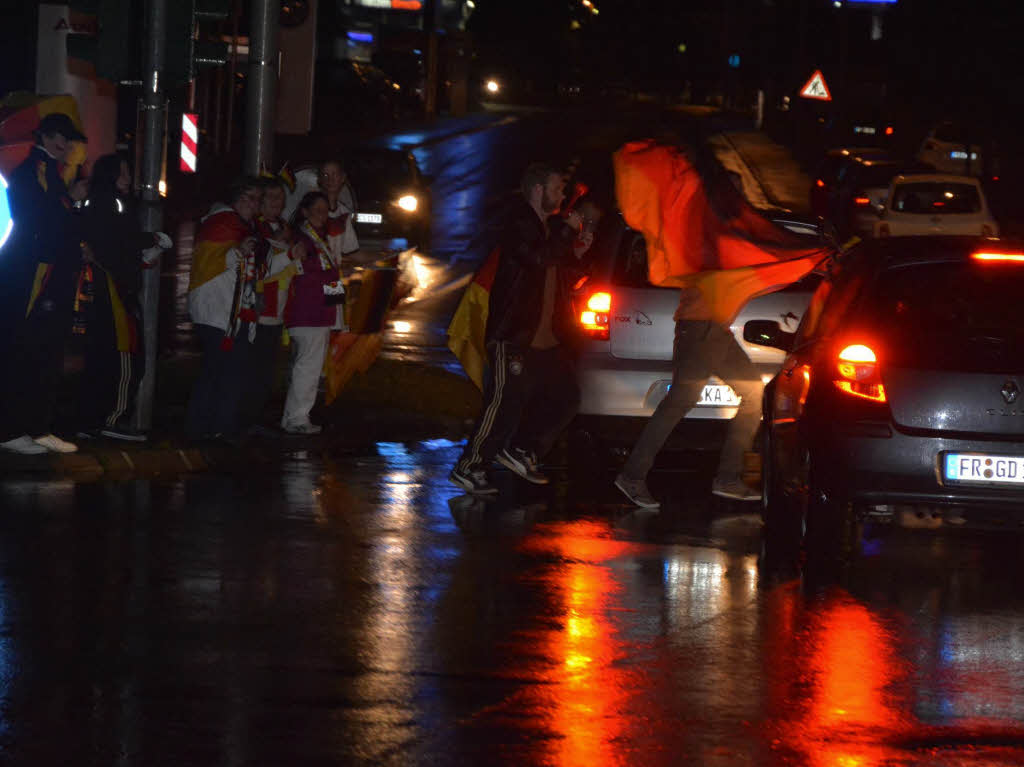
pixel 189 141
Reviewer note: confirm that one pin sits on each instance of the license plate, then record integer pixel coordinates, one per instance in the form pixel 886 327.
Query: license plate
pixel 369 218
pixel 990 469
pixel 716 395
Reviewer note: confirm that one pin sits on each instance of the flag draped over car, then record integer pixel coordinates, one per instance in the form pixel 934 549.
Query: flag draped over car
pixel 702 233
pixel 466 331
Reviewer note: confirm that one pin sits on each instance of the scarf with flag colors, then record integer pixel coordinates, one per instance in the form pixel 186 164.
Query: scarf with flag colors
pixel 704 236
pixel 469 323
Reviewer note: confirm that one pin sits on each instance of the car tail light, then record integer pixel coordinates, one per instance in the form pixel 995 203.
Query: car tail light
pixel 998 257
pixel 888 130
pixel 857 366
pixel 595 315
pixel 861 202
pixel 883 230
pixel 820 184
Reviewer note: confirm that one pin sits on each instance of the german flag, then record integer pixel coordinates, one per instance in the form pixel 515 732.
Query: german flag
pixel 467 329
pixel 713 240
pixel 354 350
pixel 218 233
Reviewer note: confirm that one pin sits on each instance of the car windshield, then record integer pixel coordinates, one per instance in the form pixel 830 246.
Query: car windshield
pixel 377 170
pixel 934 198
pixel 876 175
pixel 949 316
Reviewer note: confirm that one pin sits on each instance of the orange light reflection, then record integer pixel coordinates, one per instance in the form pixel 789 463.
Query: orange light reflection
pixel 587 693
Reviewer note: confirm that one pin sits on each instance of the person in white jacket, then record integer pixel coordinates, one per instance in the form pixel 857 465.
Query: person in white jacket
pixel 221 302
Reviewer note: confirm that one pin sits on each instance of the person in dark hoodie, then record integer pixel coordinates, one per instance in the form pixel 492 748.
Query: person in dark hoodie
pixel 530 391
pixel 116 252
pixel 37 281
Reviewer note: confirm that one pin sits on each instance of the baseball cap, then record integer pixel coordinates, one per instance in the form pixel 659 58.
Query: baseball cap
pixel 58 122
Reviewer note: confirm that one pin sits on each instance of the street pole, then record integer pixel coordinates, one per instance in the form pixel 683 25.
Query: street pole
pixel 154 118
pixel 261 103
pixel 431 14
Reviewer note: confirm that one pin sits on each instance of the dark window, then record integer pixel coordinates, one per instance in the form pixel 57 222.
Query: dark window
pixel 963 316
pixel 936 199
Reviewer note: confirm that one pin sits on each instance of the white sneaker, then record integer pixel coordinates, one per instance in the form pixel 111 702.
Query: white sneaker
pixel 23 445
pixel 55 444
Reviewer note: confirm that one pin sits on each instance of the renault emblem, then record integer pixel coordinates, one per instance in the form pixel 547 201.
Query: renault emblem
pixel 1010 392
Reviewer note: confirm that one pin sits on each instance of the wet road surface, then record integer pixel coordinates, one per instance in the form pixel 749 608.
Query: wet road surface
pixel 353 608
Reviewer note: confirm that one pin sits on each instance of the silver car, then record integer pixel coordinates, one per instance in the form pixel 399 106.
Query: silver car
pixel 625 367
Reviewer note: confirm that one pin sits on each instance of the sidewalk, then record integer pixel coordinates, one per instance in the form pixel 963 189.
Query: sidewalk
pixel 392 402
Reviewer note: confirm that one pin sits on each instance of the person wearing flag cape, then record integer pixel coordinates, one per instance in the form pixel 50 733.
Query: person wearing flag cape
pixel 704 238
pixel 222 304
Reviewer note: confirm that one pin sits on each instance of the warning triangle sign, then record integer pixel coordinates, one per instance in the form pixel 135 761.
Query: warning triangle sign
pixel 816 88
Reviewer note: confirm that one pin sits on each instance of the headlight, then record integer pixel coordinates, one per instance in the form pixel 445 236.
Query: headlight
pixel 493 86
pixel 408 202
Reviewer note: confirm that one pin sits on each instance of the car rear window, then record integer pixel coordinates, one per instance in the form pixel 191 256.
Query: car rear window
pixel 933 198
pixel 876 175
pixel 953 315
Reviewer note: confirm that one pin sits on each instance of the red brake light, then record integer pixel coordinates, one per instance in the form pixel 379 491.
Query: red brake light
pixel 595 316
pixel 820 184
pixel 862 201
pixel 857 366
pixel 888 130
pixel 1017 257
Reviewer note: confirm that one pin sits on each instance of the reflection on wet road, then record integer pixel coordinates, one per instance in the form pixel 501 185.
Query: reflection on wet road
pixel 354 608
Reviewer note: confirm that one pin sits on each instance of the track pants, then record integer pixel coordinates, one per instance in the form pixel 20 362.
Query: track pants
pixel 701 349
pixel 530 396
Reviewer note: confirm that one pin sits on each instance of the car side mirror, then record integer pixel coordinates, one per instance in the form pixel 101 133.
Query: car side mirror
pixel 768 333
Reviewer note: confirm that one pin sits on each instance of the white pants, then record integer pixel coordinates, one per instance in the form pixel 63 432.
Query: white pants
pixel 308 352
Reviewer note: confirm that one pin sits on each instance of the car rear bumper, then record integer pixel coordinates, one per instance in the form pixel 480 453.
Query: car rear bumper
pixel 875 465
pixel 610 386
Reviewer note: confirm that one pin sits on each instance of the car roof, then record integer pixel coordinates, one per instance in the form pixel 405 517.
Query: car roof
pixel 934 178
pixel 882 253
pixel 857 151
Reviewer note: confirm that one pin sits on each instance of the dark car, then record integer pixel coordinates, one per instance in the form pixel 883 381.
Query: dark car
pixel 392 197
pixel 899 400
pixel 831 169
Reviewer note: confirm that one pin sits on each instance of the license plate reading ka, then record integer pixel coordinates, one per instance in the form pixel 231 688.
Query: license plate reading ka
pixel 716 395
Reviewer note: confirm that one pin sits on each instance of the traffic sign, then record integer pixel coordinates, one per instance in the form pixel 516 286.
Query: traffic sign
pixel 189 141
pixel 816 88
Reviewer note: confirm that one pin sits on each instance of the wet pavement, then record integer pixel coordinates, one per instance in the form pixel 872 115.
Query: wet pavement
pixel 353 608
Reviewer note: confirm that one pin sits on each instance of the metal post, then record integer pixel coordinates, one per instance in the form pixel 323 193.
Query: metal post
pixel 261 99
pixel 431 23
pixel 154 118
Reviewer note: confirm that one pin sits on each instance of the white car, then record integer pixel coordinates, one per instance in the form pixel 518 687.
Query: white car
pixel 935 204
pixel 625 366
pixel 946 150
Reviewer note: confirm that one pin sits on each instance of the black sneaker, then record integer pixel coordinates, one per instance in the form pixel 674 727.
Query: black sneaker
pixel 522 463
pixel 126 433
pixel 474 482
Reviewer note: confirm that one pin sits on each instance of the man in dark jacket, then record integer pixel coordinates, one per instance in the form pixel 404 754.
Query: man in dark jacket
pixel 38 270
pixel 530 392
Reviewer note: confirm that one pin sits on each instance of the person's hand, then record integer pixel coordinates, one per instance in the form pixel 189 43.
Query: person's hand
pixel 575 220
pixel 162 240
pixel 583 242
pixel 79 190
